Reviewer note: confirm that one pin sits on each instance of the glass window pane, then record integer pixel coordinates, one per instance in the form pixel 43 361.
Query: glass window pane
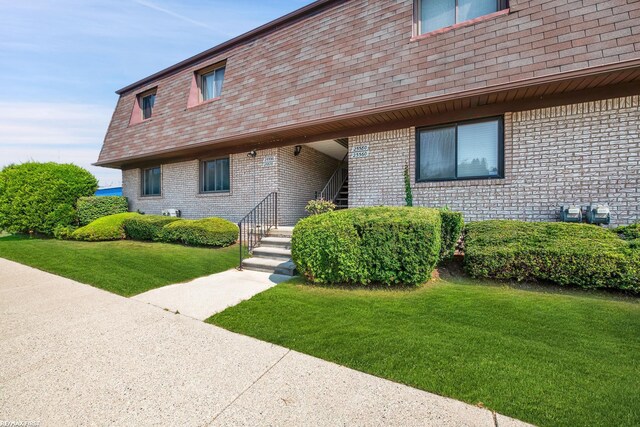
pixel 147 106
pixel 219 79
pixel 208 86
pixel 469 9
pixel 435 14
pixel 151 182
pixel 224 167
pixel 437 153
pixel 478 149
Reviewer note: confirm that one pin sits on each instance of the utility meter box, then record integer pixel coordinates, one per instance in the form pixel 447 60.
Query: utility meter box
pixel 171 212
pixel 570 213
pixel 598 214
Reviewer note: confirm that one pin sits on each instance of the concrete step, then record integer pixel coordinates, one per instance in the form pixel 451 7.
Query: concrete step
pixel 282 231
pixel 268 265
pixel 276 242
pixel 272 252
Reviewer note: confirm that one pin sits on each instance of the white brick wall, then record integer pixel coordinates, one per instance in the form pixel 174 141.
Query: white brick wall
pixel 296 178
pixel 582 153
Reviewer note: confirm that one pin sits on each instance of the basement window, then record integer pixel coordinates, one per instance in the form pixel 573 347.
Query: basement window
pixel 436 14
pixel 458 151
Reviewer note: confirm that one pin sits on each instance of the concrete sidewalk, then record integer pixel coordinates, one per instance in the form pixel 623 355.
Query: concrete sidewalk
pixel 208 295
pixel 75 355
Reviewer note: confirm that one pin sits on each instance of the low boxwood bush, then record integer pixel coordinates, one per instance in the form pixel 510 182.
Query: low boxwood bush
pixel 384 245
pixel 106 228
pixel 452 225
pixel 146 227
pixel 200 232
pixel 91 208
pixel 567 254
pixel 629 232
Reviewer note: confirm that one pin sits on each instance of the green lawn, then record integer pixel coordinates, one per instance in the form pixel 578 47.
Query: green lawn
pixel 549 358
pixel 123 267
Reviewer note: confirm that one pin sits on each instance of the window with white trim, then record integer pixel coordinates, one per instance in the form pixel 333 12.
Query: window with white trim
pixel 436 14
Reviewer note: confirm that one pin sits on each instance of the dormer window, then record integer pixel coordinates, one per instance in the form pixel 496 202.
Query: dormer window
pixel 436 14
pixel 143 106
pixel 211 80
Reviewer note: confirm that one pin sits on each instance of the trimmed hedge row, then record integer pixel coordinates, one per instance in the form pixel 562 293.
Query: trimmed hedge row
pixel 132 225
pixel 200 232
pixel 147 227
pixel 386 245
pixel 106 228
pixel 567 254
pixel 91 208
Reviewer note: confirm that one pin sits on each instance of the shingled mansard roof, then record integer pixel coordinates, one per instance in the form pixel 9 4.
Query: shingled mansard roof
pixel 338 68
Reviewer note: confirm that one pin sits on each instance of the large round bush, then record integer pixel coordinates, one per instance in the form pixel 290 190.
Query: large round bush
pixel 38 197
pixel 109 227
pixel 385 245
pixel 200 232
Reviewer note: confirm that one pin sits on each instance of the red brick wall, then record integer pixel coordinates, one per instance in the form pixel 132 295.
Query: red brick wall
pixel 359 55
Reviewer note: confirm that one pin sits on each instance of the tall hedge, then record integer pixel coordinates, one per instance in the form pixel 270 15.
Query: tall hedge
pixel 38 197
pixel 567 254
pixel 93 207
pixel 384 245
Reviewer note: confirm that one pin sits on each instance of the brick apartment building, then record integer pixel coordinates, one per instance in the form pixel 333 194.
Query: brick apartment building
pixel 500 109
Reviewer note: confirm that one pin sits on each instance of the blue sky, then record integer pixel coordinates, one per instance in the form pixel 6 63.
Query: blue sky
pixel 62 60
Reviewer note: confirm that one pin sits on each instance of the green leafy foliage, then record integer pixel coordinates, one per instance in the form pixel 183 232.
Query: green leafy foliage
pixel 147 227
pixel 382 245
pixel 64 232
pixel 37 197
pixel 452 225
pixel 106 228
pixel 200 232
pixel 319 206
pixel 629 232
pixel 91 208
pixel 567 254
pixel 408 193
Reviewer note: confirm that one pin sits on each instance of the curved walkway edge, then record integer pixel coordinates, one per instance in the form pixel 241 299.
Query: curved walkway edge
pixel 76 355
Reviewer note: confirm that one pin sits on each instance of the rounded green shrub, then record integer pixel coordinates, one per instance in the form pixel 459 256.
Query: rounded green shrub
pixel 106 228
pixel 567 254
pixel 382 245
pixel 200 232
pixel 93 207
pixel 147 227
pixel 38 197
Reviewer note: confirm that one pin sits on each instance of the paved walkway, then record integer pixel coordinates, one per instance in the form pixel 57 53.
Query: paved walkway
pixel 208 295
pixel 75 355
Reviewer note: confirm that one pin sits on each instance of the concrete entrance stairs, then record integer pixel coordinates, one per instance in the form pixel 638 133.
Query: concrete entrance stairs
pixel 273 255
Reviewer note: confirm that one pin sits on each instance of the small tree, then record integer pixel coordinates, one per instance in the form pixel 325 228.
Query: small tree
pixel 408 194
pixel 38 197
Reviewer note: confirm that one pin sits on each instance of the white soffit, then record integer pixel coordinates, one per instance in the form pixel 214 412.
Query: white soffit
pixel 329 147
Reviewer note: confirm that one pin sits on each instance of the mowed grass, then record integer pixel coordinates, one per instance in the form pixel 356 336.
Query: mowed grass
pixel 124 267
pixel 552 359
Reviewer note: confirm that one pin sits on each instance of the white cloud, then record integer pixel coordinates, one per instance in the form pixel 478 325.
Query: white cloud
pixel 64 133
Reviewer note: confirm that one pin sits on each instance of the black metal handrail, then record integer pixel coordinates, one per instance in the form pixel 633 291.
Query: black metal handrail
pixel 331 191
pixel 257 223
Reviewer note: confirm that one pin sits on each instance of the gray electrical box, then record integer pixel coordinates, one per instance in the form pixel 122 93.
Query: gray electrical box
pixel 570 213
pixel 598 214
